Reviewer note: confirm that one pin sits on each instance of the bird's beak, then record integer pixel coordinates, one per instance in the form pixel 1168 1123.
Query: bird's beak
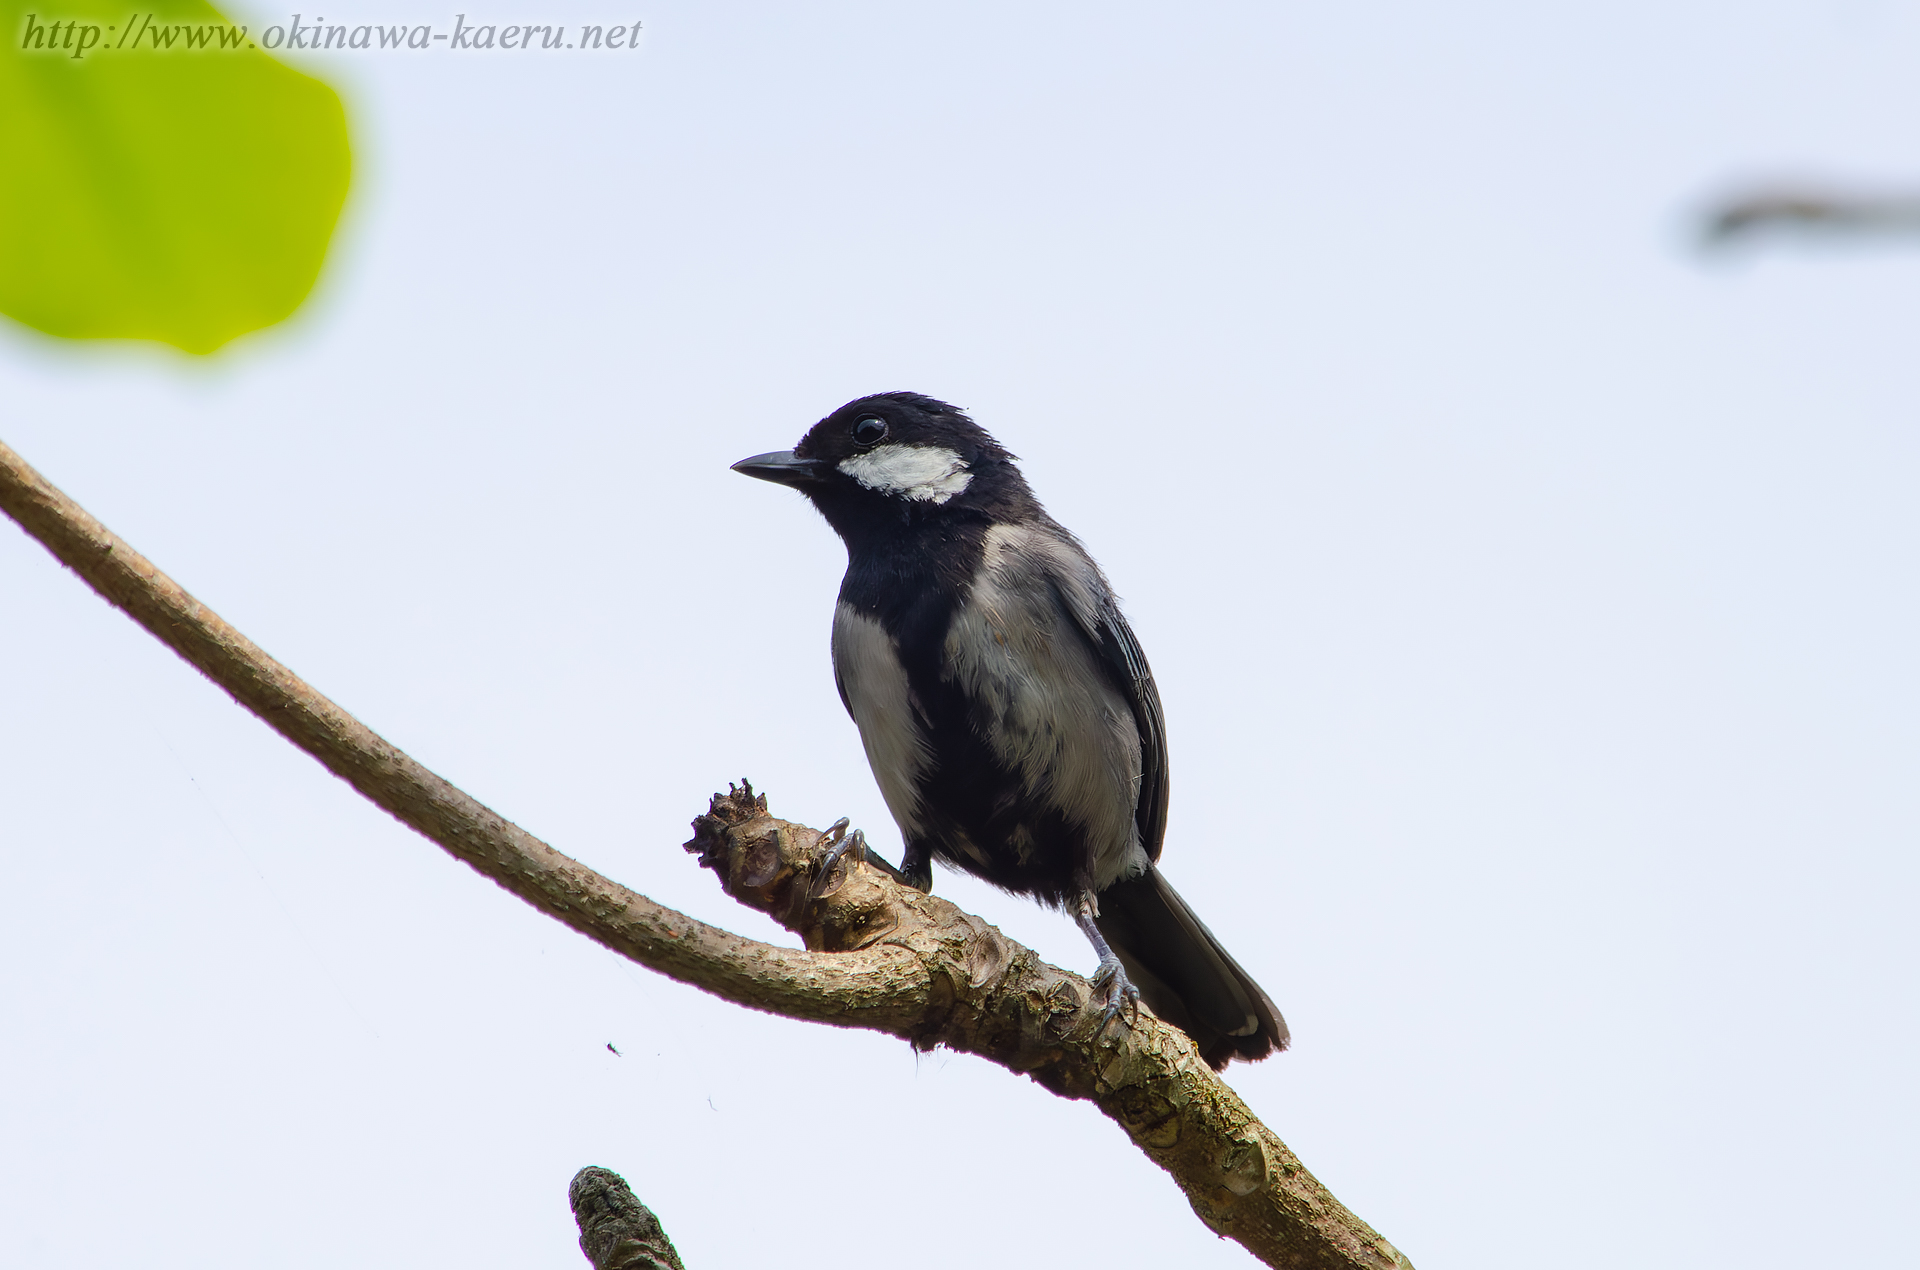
pixel 783 467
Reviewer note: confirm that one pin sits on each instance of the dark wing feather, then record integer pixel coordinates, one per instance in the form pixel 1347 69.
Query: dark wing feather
pixel 1127 665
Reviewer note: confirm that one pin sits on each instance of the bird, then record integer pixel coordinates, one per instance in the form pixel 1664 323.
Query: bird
pixel 1006 709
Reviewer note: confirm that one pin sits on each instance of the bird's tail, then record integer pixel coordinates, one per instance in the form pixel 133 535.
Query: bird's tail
pixel 1184 974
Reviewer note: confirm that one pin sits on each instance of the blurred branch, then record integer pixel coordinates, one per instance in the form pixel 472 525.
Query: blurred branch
pixel 617 1231
pixel 878 955
pixel 1810 209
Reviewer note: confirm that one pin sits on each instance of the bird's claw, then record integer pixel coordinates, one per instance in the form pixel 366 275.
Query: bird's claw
pixel 1123 998
pixel 842 845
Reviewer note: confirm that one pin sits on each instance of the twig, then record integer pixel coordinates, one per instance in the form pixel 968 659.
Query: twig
pixel 1810 209
pixel 878 956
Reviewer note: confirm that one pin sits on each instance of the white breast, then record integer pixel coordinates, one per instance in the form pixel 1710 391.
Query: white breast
pixel 867 664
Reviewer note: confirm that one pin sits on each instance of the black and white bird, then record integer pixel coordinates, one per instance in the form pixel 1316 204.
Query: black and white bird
pixel 1006 708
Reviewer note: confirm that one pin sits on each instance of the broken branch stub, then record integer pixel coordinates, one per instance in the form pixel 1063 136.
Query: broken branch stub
pixel 978 990
pixel 617 1231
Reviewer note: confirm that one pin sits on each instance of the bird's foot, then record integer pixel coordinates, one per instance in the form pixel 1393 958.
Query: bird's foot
pixel 919 877
pixel 1109 977
pixel 916 867
pixel 842 845
pixel 1123 998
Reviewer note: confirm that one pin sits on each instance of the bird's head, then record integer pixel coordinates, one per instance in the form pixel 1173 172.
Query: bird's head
pixel 896 458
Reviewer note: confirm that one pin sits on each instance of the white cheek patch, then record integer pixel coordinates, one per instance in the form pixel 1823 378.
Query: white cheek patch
pixel 924 473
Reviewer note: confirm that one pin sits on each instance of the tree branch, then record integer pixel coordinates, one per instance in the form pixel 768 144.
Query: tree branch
pixel 878 955
pixel 1811 209
pixel 617 1231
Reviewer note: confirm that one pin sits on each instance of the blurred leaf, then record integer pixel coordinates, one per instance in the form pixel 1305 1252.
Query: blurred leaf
pixel 179 194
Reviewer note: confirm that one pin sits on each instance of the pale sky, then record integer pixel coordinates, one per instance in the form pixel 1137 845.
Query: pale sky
pixel 1532 600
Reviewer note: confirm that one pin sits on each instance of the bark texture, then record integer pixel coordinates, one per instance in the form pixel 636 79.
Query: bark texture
pixel 877 955
pixel 617 1231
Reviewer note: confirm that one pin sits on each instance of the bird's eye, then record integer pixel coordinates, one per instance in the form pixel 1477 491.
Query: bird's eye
pixel 869 431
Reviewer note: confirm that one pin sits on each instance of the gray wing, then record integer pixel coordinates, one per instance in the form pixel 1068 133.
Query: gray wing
pixel 1127 666
pixel 1096 614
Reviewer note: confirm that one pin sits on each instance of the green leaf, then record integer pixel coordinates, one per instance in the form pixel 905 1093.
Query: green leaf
pixel 183 194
